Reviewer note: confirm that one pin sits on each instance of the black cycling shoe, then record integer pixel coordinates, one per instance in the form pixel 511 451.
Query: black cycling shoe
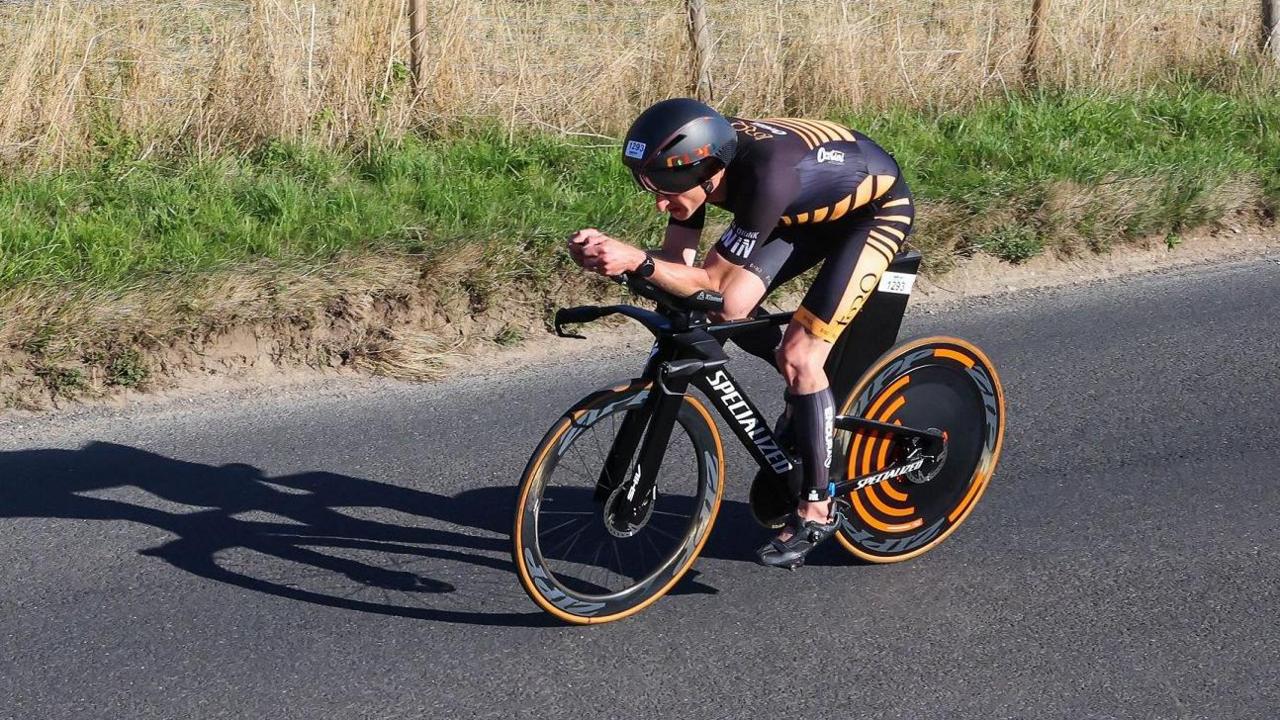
pixel 806 536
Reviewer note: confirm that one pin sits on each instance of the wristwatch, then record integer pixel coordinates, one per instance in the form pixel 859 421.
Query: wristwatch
pixel 646 268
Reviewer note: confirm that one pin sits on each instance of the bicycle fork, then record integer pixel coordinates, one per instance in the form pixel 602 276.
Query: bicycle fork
pixel 628 489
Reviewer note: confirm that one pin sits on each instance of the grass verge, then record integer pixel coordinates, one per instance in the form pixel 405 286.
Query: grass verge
pixel 129 267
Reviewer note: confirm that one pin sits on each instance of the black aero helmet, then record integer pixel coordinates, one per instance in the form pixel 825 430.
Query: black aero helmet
pixel 678 144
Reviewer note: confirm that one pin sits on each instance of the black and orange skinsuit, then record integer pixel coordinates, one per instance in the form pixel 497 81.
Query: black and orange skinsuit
pixel 805 191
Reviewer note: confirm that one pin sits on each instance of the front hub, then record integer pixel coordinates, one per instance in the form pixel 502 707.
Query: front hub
pixel 626 511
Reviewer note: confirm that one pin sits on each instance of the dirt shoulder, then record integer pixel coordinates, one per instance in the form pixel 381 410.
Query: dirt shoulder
pixel 493 345
pixel 972 277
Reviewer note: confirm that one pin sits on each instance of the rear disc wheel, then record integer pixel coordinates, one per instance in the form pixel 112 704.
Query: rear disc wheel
pixel 945 384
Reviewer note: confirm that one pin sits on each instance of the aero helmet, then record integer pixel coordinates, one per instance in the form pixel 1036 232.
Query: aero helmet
pixel 677 145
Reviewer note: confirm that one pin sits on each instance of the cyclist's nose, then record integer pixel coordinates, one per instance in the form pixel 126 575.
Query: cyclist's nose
pixel 663 204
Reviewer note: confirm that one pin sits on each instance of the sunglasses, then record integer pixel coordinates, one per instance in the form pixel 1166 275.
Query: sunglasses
pixel 676 180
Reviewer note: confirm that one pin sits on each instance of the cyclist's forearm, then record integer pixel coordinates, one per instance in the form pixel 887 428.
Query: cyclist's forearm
pixel 680 279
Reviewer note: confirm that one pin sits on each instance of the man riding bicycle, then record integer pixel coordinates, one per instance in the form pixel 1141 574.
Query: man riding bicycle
pixel 801 192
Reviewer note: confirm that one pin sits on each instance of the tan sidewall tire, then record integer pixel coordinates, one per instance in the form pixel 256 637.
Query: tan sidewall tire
pixel 533 477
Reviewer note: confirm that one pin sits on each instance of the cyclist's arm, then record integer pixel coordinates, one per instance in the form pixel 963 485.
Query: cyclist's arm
pixel 684 280
pixel 770 194
pixel 680 244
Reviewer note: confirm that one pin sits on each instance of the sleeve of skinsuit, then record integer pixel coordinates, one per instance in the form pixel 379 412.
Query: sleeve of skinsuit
pixel 763 188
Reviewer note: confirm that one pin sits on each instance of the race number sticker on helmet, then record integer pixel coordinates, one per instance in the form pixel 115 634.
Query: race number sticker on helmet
pixel 635 149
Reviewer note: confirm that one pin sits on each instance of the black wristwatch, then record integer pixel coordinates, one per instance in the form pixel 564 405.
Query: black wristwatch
pixel 645 268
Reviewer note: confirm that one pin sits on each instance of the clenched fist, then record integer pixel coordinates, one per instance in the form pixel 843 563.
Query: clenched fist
pixel 597 252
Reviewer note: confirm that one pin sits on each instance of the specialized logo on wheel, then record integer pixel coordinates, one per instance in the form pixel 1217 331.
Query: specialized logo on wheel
pixel 941 384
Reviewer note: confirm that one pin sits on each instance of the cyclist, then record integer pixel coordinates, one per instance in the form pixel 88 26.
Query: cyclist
pixel 801 192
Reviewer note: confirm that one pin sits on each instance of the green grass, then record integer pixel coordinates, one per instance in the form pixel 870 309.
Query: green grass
pixel 115 219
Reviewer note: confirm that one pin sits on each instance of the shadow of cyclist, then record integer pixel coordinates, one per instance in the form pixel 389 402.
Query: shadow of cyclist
pixel 224 514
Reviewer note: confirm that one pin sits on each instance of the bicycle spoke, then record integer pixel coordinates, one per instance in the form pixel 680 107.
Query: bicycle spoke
pixel 551 530
pixel 569 552
pixel 573 537
pixel 621 571
pixel 656 549
pixel 660 531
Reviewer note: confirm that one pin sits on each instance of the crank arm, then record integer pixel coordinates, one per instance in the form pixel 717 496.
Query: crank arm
pixel 888 473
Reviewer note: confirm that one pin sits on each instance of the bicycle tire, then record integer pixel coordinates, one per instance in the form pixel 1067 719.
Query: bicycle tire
pixel 577 600
pixel 940 382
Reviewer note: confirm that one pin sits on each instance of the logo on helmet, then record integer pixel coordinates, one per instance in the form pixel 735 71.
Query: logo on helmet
pixel 635 150
pixel 690 157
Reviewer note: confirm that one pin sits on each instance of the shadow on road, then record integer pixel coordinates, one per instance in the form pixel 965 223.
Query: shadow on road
pixel 295 536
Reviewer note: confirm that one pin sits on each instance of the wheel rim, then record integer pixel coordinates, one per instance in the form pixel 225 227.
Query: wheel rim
pixel 595 576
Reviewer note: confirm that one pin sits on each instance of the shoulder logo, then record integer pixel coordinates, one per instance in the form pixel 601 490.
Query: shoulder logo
pixel 635 149
pixel 770 128
pixel 835 156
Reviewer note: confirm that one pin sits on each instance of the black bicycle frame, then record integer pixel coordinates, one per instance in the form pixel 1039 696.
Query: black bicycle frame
pixel 689 351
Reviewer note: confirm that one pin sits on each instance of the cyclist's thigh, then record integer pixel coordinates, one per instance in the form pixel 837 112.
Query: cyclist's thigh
pixel 855 261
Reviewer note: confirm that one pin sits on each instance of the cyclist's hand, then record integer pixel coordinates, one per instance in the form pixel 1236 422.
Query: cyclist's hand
pixel 580 241
pixel 605 255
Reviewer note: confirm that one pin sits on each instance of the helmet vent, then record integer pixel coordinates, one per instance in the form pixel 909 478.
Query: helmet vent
pixel 674 141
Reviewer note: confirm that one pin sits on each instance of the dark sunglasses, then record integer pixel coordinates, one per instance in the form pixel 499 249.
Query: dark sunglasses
pixel 675 180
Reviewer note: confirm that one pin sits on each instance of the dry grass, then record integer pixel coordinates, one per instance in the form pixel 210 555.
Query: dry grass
pixel 221 75
pixel 397 315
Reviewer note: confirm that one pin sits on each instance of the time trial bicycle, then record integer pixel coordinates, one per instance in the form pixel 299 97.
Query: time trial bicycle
pixel 620 495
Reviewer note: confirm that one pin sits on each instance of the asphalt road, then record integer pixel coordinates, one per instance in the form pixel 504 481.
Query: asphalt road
pixel 343 553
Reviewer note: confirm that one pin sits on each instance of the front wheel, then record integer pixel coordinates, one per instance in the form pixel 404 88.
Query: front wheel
pixel 938 383
pixel 574 558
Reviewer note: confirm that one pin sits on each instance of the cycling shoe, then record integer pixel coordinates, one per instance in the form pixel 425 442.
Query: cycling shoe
pixel 806 535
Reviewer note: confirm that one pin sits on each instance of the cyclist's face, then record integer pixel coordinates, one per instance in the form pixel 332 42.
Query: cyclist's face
pixel 681 205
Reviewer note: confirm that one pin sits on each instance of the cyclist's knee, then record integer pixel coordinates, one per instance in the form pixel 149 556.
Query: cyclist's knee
pixel 736 307
pixel 802 364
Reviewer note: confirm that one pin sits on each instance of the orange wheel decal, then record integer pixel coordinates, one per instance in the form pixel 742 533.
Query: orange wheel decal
pixel 952 354
pixel 890 392
pixel 893 492
pixel 885 527
pixel 887 510
pixel 968 498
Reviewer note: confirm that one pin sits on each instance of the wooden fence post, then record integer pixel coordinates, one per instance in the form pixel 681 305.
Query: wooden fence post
pixel 1031 68
pixel 1270 40
pixel 418 42
pixel 700 37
